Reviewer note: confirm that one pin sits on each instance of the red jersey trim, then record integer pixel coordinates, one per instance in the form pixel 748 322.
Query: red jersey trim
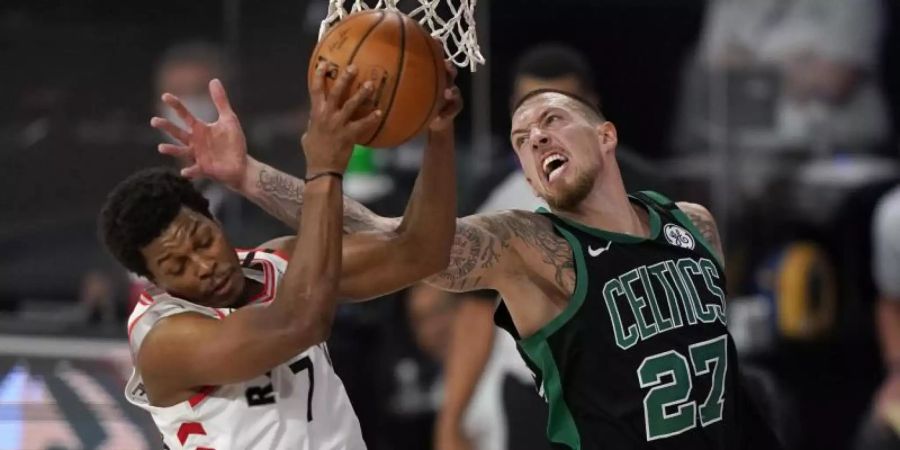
pixel 268 290
pixel 145 299
pixel 188 428
pixel 281 254
pixel 204 392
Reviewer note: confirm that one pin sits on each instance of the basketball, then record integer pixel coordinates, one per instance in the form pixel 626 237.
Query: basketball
pixel 404 64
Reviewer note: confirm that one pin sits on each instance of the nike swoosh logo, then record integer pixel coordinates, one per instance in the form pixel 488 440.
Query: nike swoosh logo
pixel 598 251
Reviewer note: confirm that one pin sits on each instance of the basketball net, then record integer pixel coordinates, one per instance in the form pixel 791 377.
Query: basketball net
pixel 456 31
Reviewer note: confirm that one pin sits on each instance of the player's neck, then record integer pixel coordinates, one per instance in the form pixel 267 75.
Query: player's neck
pixel 608 208
pixel 252 288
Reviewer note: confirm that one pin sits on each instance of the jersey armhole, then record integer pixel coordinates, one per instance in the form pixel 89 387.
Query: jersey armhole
pixel 575 301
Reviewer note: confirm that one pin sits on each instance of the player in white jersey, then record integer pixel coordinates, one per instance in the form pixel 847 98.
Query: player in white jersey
pixel 319 412
pixel 229 345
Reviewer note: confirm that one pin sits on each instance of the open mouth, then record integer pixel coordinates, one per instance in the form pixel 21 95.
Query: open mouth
pixel 554 164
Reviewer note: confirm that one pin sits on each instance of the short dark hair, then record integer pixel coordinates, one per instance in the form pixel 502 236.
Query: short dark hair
pixel 138 210
pixel 588 108
pixel 553 60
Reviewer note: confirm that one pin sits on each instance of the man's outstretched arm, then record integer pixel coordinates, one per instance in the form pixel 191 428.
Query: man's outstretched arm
pixel 281 195
pixel 485 247
pixel 218 151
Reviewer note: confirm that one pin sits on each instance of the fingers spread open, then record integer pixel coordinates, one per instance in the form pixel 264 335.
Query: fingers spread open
pixel 193 171
pixel 220 97
pixel 178 151
pixel 174 131
pixel 180 109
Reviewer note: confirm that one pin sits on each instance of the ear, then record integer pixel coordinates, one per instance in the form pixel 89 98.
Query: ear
pixel 608 135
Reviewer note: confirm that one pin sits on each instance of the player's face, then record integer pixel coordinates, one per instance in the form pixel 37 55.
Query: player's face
pixel 191 259
pixel 561 151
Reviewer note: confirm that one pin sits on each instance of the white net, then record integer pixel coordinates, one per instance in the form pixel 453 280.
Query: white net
pixel 454 24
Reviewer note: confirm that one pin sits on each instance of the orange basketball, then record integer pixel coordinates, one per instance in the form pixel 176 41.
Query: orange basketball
pixel 399 57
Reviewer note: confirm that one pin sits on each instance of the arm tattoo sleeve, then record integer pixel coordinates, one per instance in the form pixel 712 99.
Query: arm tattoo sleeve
pixel 483 243
pixel 474 252
pixel 537 233
pixel 281 195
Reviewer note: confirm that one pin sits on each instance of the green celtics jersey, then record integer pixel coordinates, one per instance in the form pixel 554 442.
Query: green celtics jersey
pixel 641 358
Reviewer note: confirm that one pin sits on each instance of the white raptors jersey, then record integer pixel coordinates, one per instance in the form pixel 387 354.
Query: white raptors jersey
pixel 298 405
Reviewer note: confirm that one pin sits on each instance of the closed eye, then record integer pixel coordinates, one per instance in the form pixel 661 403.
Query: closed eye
pixel 176 270
pixel 206 242
pixel 206 239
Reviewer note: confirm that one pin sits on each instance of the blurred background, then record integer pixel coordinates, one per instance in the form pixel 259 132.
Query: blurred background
pixel 780 115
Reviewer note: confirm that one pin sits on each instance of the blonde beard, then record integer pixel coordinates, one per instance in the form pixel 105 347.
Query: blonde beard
pixel 570 197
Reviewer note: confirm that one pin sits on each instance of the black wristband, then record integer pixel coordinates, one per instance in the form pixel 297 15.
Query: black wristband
pixel 328 173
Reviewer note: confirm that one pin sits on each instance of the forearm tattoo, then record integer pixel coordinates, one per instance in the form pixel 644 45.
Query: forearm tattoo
pixel 281 196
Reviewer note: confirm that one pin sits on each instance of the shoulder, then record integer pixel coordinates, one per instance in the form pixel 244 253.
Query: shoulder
pixel 695 211
pixel 179 325
pixel 171 333
pixel 705 224
pixel 701 217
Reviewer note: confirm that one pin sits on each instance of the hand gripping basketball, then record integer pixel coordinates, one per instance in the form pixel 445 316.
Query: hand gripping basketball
pixel 451 103
pixel 331 133
pixel 400 58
